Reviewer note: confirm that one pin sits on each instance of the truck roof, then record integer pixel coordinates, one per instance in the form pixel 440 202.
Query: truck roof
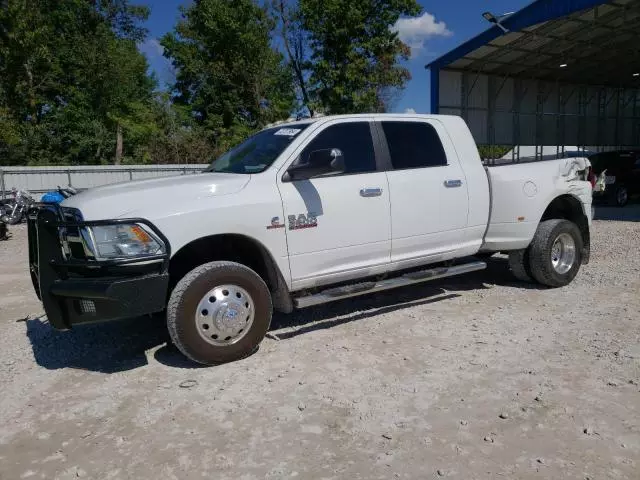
pixel 375 116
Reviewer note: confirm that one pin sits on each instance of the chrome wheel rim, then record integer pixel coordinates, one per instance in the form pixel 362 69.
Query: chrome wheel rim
pixel 622 196
pixel 225 315
pixel 563 253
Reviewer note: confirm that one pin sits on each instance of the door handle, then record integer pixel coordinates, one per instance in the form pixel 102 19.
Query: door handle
pixel 452 183
pixel 371 192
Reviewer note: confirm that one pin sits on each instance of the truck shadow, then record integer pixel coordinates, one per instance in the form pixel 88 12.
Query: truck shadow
pixel 108 347
pixel 342 311
pixel 321 318
pixel 120 346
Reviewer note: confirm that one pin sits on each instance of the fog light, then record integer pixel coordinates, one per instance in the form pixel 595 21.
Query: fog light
pixel 87 306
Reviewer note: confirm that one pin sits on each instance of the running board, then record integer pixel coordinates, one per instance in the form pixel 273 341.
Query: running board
pixel 411 278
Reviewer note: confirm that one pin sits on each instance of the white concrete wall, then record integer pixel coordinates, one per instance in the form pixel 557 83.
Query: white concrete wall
pixel 42 179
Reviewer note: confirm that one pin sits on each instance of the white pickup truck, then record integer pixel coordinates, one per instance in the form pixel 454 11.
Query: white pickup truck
pixel 301 214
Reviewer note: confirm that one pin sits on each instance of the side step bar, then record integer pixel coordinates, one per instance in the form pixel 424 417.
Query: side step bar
pixel 411 278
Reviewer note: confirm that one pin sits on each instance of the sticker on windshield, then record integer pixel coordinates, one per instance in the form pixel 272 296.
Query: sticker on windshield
pixel 254 168
pixel 288 132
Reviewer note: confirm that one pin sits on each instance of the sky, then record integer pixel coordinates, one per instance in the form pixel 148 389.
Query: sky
pixel 443 25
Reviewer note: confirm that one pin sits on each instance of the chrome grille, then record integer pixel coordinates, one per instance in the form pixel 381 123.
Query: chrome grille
pixel 71 238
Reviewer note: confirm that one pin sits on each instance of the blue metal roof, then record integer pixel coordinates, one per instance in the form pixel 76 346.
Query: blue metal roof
pixel 537 12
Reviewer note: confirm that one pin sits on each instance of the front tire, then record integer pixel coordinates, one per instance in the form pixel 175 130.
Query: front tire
pixel 219 312
pixel 555 255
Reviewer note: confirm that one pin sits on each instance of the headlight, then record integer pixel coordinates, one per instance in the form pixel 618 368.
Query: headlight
pixel 122 241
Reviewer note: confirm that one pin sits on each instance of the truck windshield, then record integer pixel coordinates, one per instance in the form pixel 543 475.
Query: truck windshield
pixel 258 152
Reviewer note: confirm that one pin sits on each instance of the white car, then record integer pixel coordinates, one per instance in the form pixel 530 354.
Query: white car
pixel 300 214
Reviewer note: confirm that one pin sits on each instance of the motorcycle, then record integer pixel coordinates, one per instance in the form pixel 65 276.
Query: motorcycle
pixel 58 195
pixel 15 210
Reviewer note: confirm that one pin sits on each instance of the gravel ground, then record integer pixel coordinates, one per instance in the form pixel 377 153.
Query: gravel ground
pixel 474 377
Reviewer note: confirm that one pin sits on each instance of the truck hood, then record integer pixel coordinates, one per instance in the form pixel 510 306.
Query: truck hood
pixel 142 197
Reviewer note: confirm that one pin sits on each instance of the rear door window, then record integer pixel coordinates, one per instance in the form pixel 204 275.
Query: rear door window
pixel 413 145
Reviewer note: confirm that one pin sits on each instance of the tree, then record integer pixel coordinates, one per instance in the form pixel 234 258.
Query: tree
pixel 124 93
pixel 295 42
pixel 227 72
pixel 355 55
pixel 25 59
pixel 123 18
pixel 180 139
pixel 72 81
pixel 126 89
pixel 74 89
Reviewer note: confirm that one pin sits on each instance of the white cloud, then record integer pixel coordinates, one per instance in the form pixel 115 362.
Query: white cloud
pixel 416 31
pixel 151 48
pixel 409 110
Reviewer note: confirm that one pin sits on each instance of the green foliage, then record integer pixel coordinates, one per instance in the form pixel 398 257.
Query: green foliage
pixel 295 42
pixel 493 151
pixel 124 18
pixel 9 128
pixel 355 55
pixel 74 89
pixel 180 138
pixel 70 72
pixel 227 72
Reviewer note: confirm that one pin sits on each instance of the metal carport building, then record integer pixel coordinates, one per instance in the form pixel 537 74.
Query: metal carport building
pixel 566 72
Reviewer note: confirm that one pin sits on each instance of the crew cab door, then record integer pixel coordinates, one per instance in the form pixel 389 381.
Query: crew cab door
pixel 337 225
pixel 428 191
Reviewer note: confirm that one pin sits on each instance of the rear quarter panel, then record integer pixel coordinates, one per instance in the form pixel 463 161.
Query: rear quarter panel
pixel 520 195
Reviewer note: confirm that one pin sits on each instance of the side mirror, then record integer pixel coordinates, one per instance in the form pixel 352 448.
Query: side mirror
pixel 320 162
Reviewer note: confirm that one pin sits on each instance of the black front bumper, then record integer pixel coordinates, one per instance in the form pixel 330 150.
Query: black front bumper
pixel 75 291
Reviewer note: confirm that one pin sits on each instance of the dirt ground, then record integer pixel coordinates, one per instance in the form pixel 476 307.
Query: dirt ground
pixel 473 377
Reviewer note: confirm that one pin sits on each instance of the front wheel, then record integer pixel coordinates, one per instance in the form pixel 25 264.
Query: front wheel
pixel 555 254
pixel 219 312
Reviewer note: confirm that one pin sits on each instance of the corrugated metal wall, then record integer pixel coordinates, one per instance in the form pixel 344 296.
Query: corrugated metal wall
pixel 42 179
pixel 508 111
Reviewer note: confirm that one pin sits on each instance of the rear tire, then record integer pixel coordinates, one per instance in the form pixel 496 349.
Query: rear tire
pixel 555 254
pixel 519 265
pixel 219 312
